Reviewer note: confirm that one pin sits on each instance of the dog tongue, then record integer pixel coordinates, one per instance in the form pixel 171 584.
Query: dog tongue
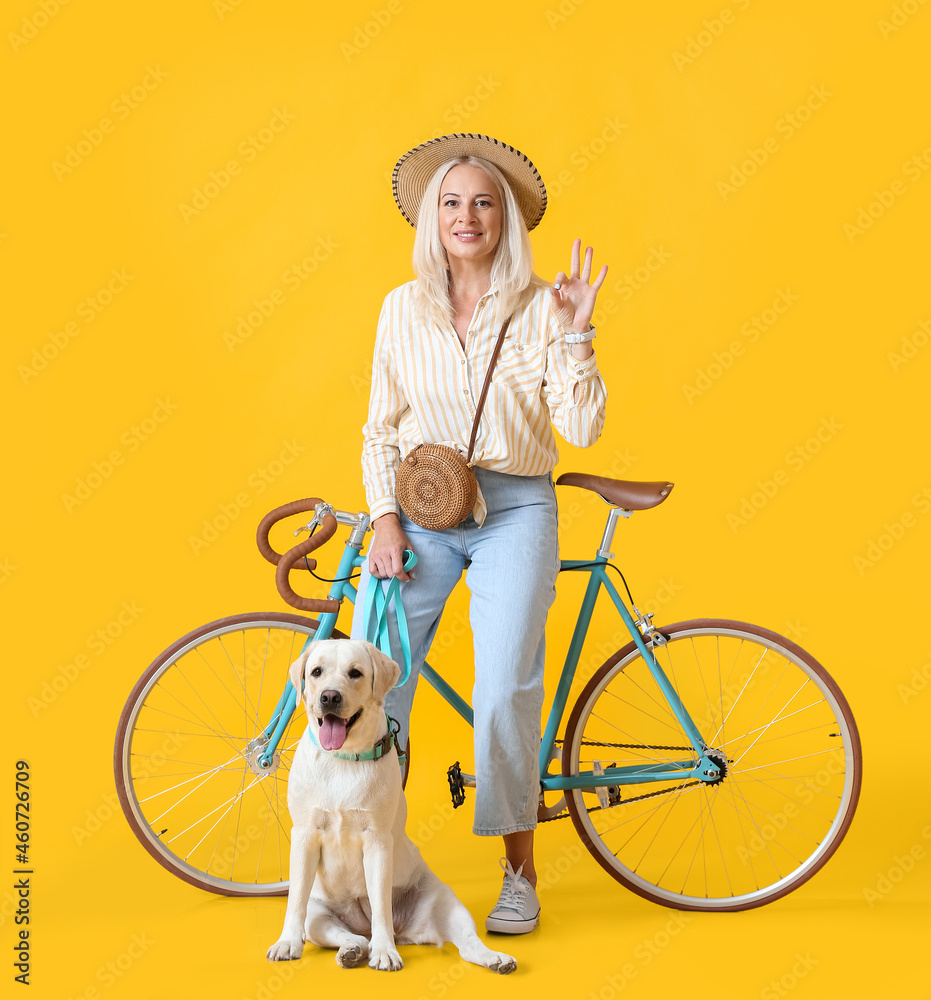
pixel 332 732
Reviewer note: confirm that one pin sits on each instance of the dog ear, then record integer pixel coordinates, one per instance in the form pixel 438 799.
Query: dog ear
pixel 385 672
pixel 296 672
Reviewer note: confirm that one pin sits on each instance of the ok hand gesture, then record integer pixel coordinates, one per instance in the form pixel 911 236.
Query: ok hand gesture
pixel 573 298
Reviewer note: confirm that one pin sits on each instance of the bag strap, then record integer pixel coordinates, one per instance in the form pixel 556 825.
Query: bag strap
pixel 481 398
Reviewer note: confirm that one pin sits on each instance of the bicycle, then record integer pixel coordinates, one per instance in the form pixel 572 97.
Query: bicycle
pixel 748 749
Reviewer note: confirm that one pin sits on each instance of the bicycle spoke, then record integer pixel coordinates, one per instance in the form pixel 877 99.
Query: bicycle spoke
pixel 717 657
pixel 662 722
pixel 786 736
pixel 178 732
pixel 206 725
pixel 701 675
pixel 765 701
pixel 759 832
pixel 728 789
pixel 673 802
pixel 775 819
pixel 237 701
pixel 816 753
pixel 231 801
pixel 717 839
pixel 625 735
pixel 769 782
pixel 224 816
pixel 199 697
pixel 713 739
pixel 663 705
pixel 797 779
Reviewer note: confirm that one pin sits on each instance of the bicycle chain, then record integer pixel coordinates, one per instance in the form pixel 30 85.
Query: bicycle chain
pixel 624 802
pixel 636 798
pixel 629 746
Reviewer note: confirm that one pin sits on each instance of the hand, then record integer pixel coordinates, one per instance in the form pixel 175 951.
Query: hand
pixel 573 300
pixel 386 555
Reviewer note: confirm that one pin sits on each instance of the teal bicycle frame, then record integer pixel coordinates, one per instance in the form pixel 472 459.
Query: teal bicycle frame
pixel 699 767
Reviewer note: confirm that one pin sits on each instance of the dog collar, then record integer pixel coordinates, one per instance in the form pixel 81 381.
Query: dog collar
pixel 378 751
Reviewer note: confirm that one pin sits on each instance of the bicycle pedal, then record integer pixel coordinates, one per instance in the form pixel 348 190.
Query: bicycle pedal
pixel 456 784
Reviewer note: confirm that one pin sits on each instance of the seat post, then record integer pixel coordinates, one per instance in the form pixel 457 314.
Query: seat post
pixel 610 527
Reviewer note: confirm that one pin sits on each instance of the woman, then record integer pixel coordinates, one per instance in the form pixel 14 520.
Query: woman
pixel 472 201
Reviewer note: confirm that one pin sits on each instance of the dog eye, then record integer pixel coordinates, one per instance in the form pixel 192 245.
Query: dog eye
pixel 355 673
pixel 316 672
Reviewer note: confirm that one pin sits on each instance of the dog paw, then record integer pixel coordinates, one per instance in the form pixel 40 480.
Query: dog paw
pixel 285 949
pixel 388 960
pixel 351 955
pixel 501 963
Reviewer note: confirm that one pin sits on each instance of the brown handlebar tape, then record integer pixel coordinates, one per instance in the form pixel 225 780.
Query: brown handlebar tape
pixel 295 557
pixel 279 514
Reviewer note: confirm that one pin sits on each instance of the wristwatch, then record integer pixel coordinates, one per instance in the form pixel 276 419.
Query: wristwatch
pixel 580 338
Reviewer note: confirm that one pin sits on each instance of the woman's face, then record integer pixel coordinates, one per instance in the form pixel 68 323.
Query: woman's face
pixel 470 214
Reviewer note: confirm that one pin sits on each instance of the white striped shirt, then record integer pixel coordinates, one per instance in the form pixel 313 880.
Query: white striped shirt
pixel 425 387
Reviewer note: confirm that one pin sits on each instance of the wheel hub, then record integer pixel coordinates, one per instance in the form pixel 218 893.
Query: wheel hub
pixel 254 750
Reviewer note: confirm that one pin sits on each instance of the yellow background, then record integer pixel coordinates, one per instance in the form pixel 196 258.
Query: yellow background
pixel 634 137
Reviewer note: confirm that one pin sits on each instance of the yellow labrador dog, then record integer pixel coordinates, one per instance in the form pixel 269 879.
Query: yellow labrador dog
pixel 358 884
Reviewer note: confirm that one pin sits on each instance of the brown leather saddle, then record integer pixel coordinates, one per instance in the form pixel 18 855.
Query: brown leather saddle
pixel 623 493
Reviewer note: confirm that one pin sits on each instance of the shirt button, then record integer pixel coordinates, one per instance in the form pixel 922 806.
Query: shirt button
pixel 520 347
pixel 462 362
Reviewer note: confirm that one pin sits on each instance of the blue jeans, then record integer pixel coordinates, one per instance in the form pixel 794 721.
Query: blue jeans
pixel 511 563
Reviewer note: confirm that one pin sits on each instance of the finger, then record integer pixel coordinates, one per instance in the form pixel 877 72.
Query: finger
pixel 587 266
pixel 397 565
pixel 576 247
pixel 560 281
pixel 599 281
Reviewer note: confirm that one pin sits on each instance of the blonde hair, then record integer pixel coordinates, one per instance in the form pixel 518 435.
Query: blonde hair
pixel 512 269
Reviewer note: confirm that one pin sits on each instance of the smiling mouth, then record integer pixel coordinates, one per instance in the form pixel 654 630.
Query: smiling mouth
pixel 467 234
pixel 334 730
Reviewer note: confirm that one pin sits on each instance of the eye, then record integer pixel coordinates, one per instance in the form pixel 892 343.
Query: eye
pixel 483 202
pixel 316 672
pixel 449 203
pixel 355 673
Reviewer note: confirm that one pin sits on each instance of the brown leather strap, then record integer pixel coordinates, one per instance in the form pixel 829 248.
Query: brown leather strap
pixel 481 398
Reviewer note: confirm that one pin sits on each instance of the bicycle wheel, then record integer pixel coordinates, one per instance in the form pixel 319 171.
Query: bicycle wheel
pixel 789 753
pixel 186 749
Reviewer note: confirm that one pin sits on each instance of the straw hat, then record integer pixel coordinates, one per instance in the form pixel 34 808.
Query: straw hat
pixel 415 168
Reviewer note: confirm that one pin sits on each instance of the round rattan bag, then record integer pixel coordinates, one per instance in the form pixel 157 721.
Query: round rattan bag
pixel 436 486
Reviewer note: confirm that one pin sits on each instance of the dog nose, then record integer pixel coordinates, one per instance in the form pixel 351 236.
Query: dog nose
pixel 330 700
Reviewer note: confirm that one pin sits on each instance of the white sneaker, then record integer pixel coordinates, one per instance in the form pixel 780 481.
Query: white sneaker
pixel 518 909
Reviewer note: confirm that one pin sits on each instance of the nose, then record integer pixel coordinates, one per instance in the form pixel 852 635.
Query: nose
pixel 331 701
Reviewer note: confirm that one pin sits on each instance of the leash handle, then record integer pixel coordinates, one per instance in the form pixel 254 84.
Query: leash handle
pixel 379 594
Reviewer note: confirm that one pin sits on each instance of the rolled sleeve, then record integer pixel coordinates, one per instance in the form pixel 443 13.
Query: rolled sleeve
pixel 575 392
